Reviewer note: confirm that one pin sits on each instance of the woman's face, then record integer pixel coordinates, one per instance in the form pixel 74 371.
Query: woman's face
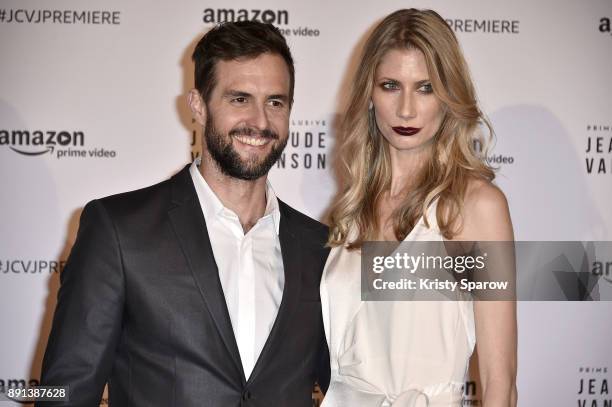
pixel 408 114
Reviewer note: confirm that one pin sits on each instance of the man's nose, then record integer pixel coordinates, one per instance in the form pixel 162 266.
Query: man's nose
pixel 259 117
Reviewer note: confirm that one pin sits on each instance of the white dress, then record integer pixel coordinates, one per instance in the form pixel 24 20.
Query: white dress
pixel 393 353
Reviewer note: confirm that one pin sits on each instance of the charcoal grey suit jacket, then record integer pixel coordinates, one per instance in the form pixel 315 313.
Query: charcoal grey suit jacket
pixel 141 307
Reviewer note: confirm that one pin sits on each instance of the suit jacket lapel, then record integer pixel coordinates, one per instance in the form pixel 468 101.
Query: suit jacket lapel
pixel 190 228
pixel 291 253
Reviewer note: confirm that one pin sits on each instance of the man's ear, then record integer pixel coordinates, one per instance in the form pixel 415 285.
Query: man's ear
pixel 197 106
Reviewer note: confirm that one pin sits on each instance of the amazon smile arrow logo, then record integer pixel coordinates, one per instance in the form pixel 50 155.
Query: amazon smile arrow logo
pixel 47 150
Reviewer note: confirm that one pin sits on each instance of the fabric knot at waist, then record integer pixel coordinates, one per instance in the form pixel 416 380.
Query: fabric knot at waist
pixel 410 398
pixel 344 394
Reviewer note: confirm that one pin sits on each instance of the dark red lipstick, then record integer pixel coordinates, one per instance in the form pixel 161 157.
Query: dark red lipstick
pixel 406 131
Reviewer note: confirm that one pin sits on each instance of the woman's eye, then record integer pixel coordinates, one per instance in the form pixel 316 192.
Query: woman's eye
pixel 389 85
pixel 426 88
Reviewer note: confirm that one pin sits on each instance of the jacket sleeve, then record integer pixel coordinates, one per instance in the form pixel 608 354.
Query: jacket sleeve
pixel 88 317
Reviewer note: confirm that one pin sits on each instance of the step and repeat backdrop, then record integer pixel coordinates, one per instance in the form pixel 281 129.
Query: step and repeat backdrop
pixel 92 102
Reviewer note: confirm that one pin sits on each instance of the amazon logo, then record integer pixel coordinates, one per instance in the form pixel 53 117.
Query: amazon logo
pixel 39 142
pixel 602 269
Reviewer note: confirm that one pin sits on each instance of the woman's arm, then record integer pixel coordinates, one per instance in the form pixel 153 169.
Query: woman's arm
pixel 486 218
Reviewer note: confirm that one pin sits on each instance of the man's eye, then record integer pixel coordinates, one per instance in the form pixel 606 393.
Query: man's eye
pixel 276 103
pixel 239 99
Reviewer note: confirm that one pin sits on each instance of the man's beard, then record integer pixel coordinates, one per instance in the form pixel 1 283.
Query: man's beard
pixel 227 158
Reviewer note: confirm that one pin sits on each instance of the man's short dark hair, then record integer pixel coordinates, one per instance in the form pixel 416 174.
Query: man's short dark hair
pixel 235 40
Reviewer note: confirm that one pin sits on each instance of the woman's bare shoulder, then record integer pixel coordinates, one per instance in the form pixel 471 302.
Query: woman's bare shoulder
pixel 486 215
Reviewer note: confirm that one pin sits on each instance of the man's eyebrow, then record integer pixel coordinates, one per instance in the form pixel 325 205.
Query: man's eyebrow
pixel 237 93
pixel 282 97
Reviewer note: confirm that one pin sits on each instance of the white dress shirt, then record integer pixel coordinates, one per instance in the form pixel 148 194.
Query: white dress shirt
pixel 250 267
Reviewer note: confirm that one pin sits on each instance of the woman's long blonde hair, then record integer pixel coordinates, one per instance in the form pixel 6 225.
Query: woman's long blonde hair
pixel 364 153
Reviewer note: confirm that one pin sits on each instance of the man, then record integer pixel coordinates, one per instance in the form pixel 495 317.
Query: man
pixel 202 290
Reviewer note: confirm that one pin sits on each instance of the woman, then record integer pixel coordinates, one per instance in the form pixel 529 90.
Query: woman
pixel 413 175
